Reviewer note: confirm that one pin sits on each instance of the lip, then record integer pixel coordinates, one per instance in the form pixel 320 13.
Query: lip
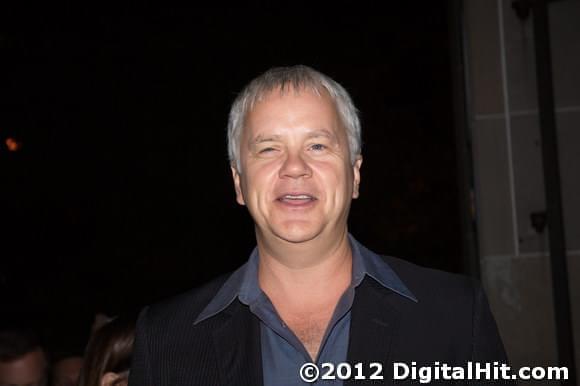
pixel 296 199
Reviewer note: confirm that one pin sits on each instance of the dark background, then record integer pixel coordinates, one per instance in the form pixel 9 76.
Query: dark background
pixel 121 195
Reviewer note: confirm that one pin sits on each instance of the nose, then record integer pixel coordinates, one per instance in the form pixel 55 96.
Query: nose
pixel 295 166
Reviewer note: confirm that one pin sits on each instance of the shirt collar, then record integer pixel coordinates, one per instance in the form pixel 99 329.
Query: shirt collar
pixel 243 283
pixel 366 262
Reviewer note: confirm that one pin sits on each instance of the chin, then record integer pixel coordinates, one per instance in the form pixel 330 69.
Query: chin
pixel 297 233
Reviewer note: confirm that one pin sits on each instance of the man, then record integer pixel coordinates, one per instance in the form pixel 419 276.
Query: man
pixel 309 292
pixel 22 360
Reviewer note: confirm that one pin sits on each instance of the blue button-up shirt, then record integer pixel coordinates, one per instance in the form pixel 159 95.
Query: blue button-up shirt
pixel 282 352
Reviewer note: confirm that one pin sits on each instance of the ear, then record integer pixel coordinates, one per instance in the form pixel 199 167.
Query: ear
pixel 109 378
pixel 356 176
pixel 237 185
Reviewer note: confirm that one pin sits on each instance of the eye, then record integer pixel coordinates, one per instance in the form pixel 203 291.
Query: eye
pixel 267 150
pixel 318 147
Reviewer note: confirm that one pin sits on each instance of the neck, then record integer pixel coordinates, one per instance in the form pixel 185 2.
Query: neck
pixel 305 274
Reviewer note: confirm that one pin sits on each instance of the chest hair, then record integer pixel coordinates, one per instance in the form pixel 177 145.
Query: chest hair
pixel 310 330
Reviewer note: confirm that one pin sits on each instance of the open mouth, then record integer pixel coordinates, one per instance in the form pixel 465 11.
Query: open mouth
pixel 296 199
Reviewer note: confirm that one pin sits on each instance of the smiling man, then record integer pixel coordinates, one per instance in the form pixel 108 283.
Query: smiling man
pixel 309 291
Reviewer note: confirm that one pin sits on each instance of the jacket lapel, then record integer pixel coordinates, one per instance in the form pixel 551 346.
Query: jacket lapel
pixel 238 347
pixel 374 321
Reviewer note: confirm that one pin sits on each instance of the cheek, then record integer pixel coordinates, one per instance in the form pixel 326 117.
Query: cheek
pixel 336 181
pixel 259 183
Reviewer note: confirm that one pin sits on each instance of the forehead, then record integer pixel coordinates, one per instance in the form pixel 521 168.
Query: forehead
pixel 28 369
pixel 281 109
pixel 68 365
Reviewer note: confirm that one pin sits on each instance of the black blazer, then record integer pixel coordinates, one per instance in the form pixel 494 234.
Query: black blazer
pixel 451 323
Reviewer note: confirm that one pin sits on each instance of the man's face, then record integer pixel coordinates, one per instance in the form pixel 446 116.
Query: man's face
pixel 296 176
pixel 29 370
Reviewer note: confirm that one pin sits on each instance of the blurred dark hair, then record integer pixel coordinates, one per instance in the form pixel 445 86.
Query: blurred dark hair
pixel 15 343
pixel 109 350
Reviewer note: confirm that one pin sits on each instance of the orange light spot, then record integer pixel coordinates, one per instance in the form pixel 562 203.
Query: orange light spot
pixel 12 144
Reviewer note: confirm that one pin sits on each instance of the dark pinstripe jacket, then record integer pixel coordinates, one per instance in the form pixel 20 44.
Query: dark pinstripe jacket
pixel 451 323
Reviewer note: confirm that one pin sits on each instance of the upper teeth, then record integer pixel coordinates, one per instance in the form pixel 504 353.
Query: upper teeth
pixel 297 197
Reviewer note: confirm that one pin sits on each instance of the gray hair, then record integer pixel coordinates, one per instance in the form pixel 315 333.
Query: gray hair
pixel 293 78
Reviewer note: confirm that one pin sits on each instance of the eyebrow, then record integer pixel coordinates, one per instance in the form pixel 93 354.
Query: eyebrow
pixel 321 133
pixel 262 138
pixel 275 137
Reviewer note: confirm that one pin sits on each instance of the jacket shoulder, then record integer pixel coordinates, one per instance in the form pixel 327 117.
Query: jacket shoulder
pixel 167 341
pixel 432 284
pixel 185 307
